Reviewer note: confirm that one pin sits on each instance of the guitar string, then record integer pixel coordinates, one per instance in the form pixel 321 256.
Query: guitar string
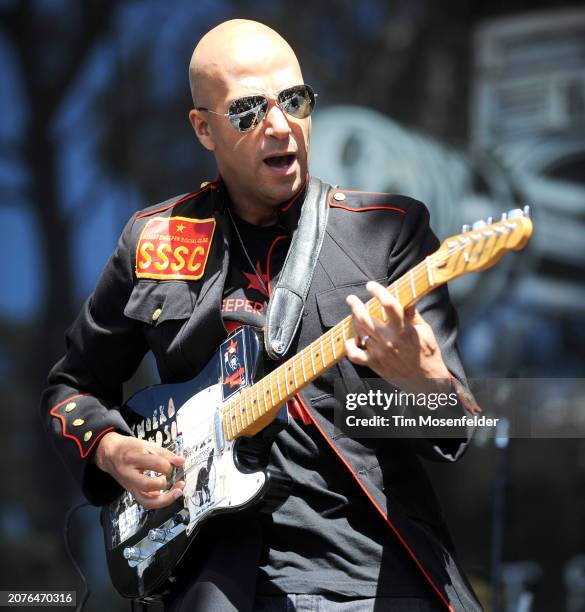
pixel 373 306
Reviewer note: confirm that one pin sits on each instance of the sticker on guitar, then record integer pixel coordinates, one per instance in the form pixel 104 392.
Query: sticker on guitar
pixel 233 365
pixel 203 465
pixel 125 518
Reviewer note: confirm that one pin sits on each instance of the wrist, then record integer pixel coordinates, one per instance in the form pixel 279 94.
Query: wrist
pixel 101 456
pixel 439 372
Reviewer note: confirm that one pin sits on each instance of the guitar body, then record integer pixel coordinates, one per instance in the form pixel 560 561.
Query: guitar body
pixel 144 547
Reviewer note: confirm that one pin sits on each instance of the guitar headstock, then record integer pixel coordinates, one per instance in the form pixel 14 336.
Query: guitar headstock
pixel 482 245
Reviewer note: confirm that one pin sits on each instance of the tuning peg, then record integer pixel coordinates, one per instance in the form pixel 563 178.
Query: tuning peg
pixel 515 213
pixel 465 228
pixel 478 225
pixel 504 216
pixel 490 220
pixel 526 211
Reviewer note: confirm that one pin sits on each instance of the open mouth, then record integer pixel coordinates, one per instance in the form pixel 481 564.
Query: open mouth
pixel 280 162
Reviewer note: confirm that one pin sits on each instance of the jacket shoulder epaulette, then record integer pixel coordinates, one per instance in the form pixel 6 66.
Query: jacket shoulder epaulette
pixel 365 201
pixel 165 206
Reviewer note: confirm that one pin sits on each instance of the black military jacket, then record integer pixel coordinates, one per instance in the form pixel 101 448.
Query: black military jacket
pixel 138 307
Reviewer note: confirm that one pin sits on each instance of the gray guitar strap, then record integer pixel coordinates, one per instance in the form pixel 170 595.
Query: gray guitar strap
pixel 285 308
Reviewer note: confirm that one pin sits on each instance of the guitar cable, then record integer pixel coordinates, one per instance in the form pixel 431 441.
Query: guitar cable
pixel 66 530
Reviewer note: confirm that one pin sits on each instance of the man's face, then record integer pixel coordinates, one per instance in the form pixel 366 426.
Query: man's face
pixel 268 164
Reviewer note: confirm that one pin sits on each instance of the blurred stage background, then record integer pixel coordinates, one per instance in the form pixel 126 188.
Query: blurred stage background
pixel 473 107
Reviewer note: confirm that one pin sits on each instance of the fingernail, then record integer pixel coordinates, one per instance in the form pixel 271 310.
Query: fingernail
pixel 177 493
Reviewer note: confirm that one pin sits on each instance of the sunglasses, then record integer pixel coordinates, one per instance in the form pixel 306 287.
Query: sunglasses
pixel 246 113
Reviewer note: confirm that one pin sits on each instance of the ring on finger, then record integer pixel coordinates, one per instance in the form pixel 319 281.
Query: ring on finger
pixel 364 341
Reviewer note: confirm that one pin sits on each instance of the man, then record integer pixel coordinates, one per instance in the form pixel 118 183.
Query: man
pixel 361 529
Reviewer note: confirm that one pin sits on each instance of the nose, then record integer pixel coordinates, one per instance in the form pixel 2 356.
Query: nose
pixel 277 124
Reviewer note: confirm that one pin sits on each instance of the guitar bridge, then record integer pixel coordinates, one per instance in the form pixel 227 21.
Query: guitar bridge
pixel 142 551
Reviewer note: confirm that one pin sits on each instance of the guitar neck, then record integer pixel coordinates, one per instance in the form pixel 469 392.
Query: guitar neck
pixel 253 408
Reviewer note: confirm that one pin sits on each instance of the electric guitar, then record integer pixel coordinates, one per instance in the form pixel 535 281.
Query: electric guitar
pixel 213 420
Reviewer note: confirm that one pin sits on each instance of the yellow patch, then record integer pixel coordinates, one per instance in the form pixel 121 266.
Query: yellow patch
pixel 174 248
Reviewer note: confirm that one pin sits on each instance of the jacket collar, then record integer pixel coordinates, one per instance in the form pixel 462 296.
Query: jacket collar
pixel 288 214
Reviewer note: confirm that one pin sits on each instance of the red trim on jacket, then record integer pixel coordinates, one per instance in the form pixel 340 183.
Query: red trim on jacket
pixel 187 197
pixel 366 208
pixel 297 410
pixel 65 401
pixel 380 511
pixel 64 426
pixel 268 256
pixel 361 191
pixel 296 196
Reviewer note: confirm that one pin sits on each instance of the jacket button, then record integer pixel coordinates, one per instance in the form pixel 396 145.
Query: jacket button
pixel 339 196
pixel 78 422
pixel 87 436
pixel 156 314
pixel 70 407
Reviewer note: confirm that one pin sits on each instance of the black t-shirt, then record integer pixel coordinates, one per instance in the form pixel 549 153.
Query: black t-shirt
pixel 247 289
pixel 326 538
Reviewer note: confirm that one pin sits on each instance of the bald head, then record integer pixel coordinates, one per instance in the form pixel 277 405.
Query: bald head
pixel 228 51
pixel 265 166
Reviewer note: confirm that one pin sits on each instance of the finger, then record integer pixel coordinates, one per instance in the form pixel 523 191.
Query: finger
pixel 355 354
pixel 160 500
pixel 392 310
pixel 410 313
pixel 413 316
pixel 165 453
pixel 143 482
pixel 178 486
pixel 149 461
pixel 362 319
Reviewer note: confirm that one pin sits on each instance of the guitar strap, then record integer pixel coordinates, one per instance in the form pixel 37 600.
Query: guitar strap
pixel 287 301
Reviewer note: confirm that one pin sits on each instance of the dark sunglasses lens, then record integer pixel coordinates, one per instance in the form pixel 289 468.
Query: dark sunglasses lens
pixel 298 101
pixel 246 113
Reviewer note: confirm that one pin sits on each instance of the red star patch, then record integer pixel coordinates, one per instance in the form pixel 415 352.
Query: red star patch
pixel 255 282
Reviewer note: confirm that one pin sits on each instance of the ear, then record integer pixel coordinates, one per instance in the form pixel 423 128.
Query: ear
pixel 202 129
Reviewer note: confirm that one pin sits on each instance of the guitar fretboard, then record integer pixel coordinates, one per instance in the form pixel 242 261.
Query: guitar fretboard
pixel 255 407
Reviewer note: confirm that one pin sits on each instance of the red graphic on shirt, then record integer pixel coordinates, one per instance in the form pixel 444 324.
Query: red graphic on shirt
pixel 255 281
pixel 240 304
